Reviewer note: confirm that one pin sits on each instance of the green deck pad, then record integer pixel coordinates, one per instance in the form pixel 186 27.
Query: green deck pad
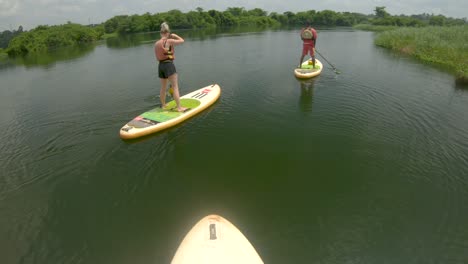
pixel 170 111
pixel 307 66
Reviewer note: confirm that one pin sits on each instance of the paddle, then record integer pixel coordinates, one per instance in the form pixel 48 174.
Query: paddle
pixel 334 68
pixel 170 91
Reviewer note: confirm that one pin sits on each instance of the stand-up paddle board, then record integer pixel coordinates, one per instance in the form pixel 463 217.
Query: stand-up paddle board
pixel 215 240
pixel 158 119
pixel 307 70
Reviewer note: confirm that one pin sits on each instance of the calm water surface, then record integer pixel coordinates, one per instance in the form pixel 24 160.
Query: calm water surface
pixel 369 166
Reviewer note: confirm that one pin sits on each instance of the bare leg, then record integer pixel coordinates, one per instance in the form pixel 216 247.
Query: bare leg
pixel 162 92
pixel 300 62
pixel 175 86
pixel 313 58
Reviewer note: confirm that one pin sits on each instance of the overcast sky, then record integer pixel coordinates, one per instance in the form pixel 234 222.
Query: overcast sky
pixel 31 13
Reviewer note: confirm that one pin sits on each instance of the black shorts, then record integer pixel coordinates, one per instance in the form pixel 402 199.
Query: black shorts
pixel 166 69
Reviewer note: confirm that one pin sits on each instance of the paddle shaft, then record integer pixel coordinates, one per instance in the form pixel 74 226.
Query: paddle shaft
pixel 334 68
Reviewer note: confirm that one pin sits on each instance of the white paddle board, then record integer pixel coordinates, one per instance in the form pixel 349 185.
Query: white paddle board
pixel 158 118
pixel 215 240
pixel 307 70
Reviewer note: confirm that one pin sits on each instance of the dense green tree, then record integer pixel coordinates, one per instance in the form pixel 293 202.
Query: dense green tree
pixel 257 12
pixel 112 24
pixel 326 18
pixel 236 11
pixel 380 12
pixel 437 20
pixel 290 17
pixel 7 35
pixel 44 38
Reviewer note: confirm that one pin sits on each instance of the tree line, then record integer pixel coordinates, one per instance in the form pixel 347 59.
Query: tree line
pixel 43 38
pixel 383 18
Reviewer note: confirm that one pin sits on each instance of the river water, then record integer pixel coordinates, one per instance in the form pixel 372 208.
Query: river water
pixel 366 166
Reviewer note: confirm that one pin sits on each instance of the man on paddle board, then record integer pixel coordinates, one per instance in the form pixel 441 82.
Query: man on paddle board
pixel 165 54
pixel 309 38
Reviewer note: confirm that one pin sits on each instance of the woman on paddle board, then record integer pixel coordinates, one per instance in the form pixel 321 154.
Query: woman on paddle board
pixel 309 39
pixel 164 51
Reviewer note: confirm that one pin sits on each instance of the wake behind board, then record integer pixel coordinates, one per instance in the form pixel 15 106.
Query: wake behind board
pixel 307 70
pixel 158 119
pixel 215 240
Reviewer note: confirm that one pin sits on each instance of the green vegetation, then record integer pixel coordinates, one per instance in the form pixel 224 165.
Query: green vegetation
pixel 45 38
pixel 382 18
pixel 432 38
pixel 7 35
pixel 109 35
pixel 383 21
pixel 435 44
pixel 191 20
pixel 429 38
pixel 369 27
pixel 233 16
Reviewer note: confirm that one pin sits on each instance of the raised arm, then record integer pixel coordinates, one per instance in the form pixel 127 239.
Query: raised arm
pixel 176 39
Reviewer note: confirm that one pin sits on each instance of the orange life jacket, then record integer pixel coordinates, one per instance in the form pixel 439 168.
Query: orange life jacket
pixel 168 51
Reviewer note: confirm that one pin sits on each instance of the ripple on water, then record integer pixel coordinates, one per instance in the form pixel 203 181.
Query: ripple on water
pixel 56 138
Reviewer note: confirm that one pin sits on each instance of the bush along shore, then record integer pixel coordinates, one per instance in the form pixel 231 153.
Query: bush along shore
pixel 44 38
pixel 435 44
pixel 431 38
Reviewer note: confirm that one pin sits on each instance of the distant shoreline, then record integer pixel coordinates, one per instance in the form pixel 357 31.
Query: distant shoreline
pixel 423 36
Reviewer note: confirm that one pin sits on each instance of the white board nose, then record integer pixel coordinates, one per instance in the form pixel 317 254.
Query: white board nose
pixel 215 240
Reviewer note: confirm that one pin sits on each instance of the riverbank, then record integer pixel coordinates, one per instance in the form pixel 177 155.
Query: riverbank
pixel 369 27
pixel 445 46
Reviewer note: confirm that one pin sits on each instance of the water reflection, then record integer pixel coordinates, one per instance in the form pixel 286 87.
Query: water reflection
pixel 307 91
pixel 461 83
pixel 127 41
pixel 49 59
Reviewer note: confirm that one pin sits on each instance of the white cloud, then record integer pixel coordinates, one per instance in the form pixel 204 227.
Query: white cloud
pixel 68 8
pixel 9 7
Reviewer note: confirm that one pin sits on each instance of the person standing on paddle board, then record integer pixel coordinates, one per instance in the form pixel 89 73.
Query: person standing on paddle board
pixel 309 39
pixel 164 51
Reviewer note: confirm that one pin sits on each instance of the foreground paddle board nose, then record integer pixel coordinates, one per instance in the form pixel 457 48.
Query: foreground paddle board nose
pixel 215 240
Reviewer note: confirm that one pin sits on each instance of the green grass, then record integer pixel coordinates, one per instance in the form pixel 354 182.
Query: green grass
pixel 111 35
pixel 446 46
pixel 368 27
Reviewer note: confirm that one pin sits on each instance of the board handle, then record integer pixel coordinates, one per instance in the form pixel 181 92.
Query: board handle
pixel 213 232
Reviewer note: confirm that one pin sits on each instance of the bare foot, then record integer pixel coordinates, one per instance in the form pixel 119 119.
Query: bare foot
pixel 181 109
pixel 163 106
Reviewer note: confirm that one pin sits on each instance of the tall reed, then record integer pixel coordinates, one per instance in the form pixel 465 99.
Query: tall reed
pixel 447 46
